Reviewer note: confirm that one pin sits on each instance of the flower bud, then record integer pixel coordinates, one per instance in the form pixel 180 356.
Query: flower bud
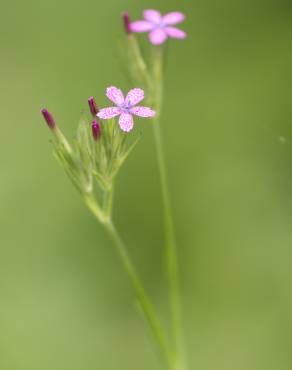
pixel 92 106
pixel 49 119
pixel 127 23
pixel 96 130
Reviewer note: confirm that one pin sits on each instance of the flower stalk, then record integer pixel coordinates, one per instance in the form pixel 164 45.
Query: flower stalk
pixel 170 240
pixel 152 76
pixel 103 215
pixel 143 300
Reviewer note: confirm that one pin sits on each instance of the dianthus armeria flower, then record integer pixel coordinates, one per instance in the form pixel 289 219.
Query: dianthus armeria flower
pixel 159 26
pixel 125 107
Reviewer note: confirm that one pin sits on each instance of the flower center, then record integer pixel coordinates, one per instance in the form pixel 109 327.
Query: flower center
pixel 126 106
pixel 160 25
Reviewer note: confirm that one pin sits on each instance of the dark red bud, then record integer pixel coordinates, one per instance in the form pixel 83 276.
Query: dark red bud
pixel 96 130
pixel 127 22
pixel 92 106
pixel 49 119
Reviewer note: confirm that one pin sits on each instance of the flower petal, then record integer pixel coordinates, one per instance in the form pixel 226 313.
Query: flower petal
pixel 157 36
pixel 126 122
pixel 134 96
pixel 115 95
pixel 141 26
pixel 143 112
pixel 173 18
pixel 152 16
pixel 107 113
pixel 175 33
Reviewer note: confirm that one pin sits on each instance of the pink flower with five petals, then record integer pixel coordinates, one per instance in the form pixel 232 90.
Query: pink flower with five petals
pixel 125 107
pixel 160 27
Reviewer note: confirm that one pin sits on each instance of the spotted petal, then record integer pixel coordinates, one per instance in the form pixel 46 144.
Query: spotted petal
pixel 108 113
pixel 115 95
pixel 134 97
pixel 141 26
pixel 157 36
pixel 152 16
pixel 143 112
pixel 173 18
pixel 126 122
pixel 175 33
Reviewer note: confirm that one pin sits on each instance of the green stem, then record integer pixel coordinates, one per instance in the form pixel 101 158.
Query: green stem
pixel 142 72
pixel 94 207
pixel 170 241
pixel 108 202
pixel 145 303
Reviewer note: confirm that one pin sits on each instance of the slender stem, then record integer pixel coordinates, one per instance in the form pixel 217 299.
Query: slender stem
pixel 94 207
pixel 145 303
pixel 137 55
pixel 108 202
pixel 142 72
pixel 170 241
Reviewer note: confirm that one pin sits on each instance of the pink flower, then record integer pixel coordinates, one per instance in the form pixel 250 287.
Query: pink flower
pixel 125 108
pixel 160 27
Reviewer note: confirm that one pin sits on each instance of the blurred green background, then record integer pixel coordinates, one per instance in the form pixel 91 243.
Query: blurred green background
pixel 65 302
